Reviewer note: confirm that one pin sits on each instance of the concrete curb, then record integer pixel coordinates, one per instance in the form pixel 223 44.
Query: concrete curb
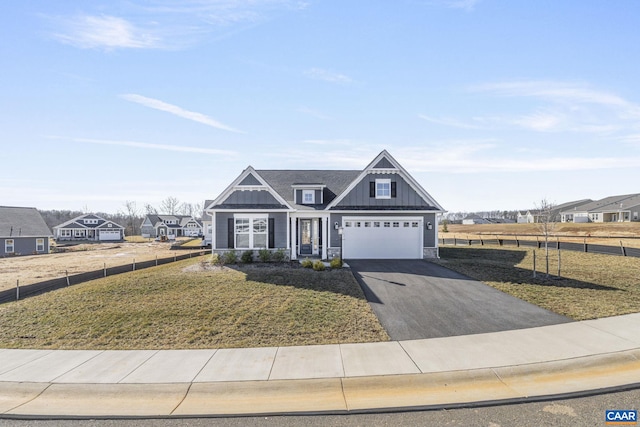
pixel 479 387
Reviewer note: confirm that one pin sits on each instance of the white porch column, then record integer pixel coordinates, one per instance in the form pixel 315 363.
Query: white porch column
pixel 294 237
pixel 325 237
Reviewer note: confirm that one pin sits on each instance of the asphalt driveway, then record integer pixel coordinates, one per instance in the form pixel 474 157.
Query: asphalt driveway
pixel 416 299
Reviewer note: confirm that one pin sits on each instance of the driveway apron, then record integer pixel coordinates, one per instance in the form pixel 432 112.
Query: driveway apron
pixel 416 299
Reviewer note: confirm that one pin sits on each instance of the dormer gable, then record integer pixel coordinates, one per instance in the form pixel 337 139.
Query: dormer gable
pixel 250 191
pixel 308 194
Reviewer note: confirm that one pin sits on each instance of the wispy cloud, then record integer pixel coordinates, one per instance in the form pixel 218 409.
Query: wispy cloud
pixel 105 32
pixel 327 75
pixel 163 24
pixel 178 111
pixel 448 121
pixel 149 146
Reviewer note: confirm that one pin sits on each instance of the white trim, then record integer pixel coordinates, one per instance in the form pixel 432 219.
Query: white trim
pixel 251 219
pixel 412 219
pixel 13 246
pixel 234 186
pixel 312 193
pixel 400 171
pixel 383 181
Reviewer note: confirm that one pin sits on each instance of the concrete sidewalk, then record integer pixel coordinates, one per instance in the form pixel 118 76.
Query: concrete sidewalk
pixel 440 372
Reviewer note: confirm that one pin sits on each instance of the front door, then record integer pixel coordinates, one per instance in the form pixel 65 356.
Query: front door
pixel 306 243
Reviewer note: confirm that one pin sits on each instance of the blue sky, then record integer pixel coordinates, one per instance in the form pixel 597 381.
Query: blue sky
pixel 488 104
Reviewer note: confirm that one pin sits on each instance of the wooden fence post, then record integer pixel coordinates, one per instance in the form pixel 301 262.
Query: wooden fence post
pixel 586 249
pixel 624 250
pixel 156 260
pixel 105 269
pixel 559 261
pixel 534 263
pixel 17 289
pixel 66 272
pixel 134 264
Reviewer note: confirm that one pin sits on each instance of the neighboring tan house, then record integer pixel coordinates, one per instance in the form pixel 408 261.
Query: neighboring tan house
pixel 88 227
pixel 624 208
pixel 23 232
pixel 171 226
pixel 380 212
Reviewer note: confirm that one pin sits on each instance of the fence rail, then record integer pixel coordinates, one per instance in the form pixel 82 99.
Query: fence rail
pixel 21 292
pixel 620 250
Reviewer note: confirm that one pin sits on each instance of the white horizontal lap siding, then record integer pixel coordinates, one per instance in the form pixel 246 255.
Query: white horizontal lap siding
pixel 382 242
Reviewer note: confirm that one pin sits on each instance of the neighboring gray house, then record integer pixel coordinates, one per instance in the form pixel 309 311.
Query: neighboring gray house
pixel 379 212
pixel 207 226
pixel 23 232
pixel 171 226
pixel 88 227
pixel 622 208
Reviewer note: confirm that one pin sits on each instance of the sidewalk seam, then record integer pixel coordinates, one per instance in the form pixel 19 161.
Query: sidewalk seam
pixel 273 362
pixel 46 352
pixel 137 367
pixel 409 356
pixel 183 398
pixel 75 367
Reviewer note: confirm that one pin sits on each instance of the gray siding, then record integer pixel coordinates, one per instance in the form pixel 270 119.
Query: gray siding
pixel 23 246
pixel 250 180
pixel 405 195
pixel 251 198
pixel 429 235
pixel 384 163
pixel 148 229
pixel 280 232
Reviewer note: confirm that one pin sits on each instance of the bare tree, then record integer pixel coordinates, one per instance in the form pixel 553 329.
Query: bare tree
pixel 546 225
pixel 132 215
pixel 169 205
pixel 150 210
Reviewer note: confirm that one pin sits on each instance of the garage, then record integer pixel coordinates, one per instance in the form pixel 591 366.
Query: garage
pixel 109 234
pixel 382 238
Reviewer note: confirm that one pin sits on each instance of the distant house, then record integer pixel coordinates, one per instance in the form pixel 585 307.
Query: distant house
pixel 528 217
pixel 171 226
pixel 88 227
pixel 624 208
pixel 474 219
pixel 23 232
pixel 207 225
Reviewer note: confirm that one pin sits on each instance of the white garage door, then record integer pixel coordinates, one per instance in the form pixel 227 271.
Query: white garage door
pixel 382 238
pixel 109 235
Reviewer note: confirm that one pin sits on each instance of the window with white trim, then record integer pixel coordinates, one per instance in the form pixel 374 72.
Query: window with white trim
pixel 9 246
pixel 39 245
pixel 65 233
pixel 251 232
pixel 78 233
pixel 383 188
pixel 308 197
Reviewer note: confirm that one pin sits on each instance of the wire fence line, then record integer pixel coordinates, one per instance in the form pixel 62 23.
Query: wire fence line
pixel 20 292
pixel 556 244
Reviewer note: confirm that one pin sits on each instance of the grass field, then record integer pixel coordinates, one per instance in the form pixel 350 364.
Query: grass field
pixel 590 286
pixel 189 305
pixel 611 234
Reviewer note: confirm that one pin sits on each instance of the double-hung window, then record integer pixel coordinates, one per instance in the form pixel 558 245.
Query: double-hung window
pixel 308 197
pixel 251 232
pixel 9 246
pixel 39 245
pixel 383 188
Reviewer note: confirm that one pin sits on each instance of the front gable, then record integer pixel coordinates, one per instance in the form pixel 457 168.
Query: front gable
pixel 385 185
pixel 249 191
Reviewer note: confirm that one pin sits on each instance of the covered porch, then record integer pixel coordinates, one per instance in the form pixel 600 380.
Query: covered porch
pixel 309 235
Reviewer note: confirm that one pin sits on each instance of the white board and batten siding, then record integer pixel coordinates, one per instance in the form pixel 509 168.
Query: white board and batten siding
pixel 382 238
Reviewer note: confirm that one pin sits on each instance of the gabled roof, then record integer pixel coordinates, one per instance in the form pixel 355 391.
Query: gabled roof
pixel 22 222
pixel 252 180
pixel 384 162
pixel 335 182
pixel 180 220
pixel 78 222
pixel 606 203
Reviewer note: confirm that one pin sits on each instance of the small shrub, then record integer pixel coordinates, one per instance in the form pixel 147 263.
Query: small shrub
pixel 278 256
pixel 307 263
pixel 336 262
pixel 230 257
pixel 264 255
pixel 215 259
pixel 318 265
pixel 247 257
